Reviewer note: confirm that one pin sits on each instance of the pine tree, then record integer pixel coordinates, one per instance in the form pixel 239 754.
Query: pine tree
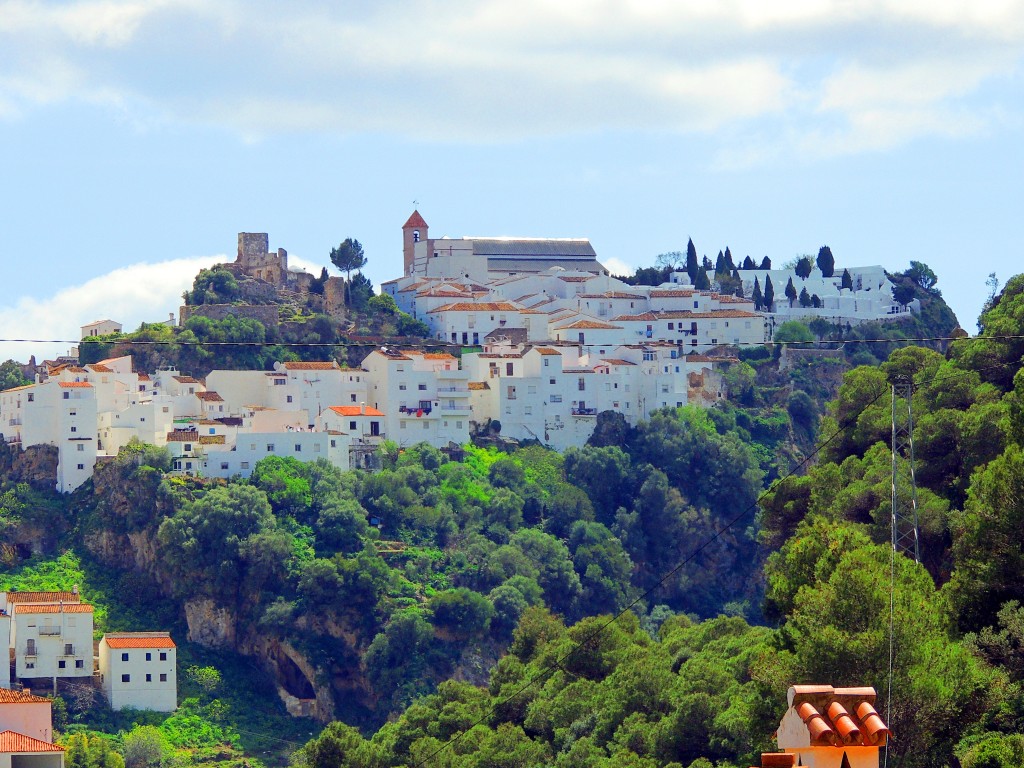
pixel 766 263
pixel 826 262
pixel 805 297
pixel 756 294
pixel 847 283
pixel 720 264
pixel 769 292
pixel 790 291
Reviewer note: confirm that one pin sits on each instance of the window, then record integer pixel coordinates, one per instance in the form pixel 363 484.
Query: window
pixel 401 388
pixel 163 655
pixel 671 326
pixel 69 649
pixel 426 425
pixel 74 429
pixel 458 425
pixel 244 465
pixel 67 395
pixel 61 664
pixel 79 664
pixel 126 678
pixel 188 446
pixel 149 677
pixel 30 665
pixel 529 410
pixel 352 425
pixel 32 398
pixel 163 677
pixel 421 386
pixel 81 466
pixel 556 398
pixel 149 656
pixel 334 443
pixel 551 381
pixel 316 448
pixel 298 448
pixel 289 398
pixel 402 424
pixel 353 397
pixel 124 657
pixel 81 447
pixel 270 447
pixel 546 361
pixel 508 369
pixel 166 409
pixel 223 465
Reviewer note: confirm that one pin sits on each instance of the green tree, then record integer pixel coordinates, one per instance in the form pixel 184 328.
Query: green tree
pixel 804 266
pixel 145 746
pixel 791 291
pixel 702 282
pixel 769 293
pixel 348 257
pixel 692 265
pixel 805 298
pixel 846 284
pixel 11 375
pixel 756 295
pixel 923 275
pixel 461 612
pixel 826 262
pixel 766 263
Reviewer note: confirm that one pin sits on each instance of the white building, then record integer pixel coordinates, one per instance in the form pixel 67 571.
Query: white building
pixel 100 328
pixel 51 634
pixel 139 670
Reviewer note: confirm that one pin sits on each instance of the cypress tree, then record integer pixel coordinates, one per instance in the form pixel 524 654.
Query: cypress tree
pixel 790 291
pixel 691 261
pixel 720 264
pixel 805 298
pixel 728 259
pixel 769 292
pixel 847 283
pixel 748 263
pixel 766 263
pixel 756 294
pixel 826 262
pixel 702 283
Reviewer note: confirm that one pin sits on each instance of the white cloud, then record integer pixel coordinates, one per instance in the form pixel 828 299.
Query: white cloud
pixel 130 295
pixel 885 71
pixel 617 266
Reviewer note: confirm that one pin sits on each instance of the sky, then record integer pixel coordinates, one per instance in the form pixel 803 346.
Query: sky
pixel 138 137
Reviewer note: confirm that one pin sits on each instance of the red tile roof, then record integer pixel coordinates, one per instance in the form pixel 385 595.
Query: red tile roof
pixel 836 716
pixel 482 306
pixel 17 742
pixel 415 221
pixel 138 640
pixel 314 366
pixel 547 351
pixel 588 324
pixel 76 385
pixel 211 397
pixel 183 436
pixel 8 696
pixel 478 385
pixel 185 380
pixel 30 608
pixel 100 368
pixel 42 597
pixel 355 410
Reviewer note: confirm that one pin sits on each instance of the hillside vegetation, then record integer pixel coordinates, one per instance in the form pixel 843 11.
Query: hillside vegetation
pixel 639 601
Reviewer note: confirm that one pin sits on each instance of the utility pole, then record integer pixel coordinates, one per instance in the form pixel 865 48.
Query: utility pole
pixel 904 485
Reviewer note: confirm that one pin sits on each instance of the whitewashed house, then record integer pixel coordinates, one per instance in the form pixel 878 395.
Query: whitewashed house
pixel 139 670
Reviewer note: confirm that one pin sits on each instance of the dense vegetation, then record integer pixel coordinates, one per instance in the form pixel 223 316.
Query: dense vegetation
pixel 640 601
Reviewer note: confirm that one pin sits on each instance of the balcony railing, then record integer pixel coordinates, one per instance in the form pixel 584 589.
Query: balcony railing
pixel 412 409
pixel 49 630
pixel 457 408
pixel 584 411
pixel 453 389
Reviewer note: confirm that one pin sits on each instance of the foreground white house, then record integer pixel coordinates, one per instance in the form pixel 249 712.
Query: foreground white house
pixel 139 670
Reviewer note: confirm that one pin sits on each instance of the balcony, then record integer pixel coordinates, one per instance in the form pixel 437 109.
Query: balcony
pixel 584 411
pixel 463 390
pixel 412 410
pixel 49 630
pixel 457 408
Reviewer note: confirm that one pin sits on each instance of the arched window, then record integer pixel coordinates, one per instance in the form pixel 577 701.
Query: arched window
pixel 415 235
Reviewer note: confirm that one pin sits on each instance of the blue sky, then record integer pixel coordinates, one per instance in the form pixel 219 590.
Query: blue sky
pixel 137 138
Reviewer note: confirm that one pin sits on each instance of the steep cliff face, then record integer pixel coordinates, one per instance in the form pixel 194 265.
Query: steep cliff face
pixel 295 677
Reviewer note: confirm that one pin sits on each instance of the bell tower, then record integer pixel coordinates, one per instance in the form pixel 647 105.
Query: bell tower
pixel 414 231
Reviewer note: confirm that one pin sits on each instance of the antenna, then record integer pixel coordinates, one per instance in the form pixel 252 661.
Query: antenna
pixel 904 485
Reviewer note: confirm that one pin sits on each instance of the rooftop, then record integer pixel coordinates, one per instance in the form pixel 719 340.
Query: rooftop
pixel 8 696
pixel 312 366
pixel 355 410
pixel 12 742
pixel 32 608
pixel 43 597
pixel 138 640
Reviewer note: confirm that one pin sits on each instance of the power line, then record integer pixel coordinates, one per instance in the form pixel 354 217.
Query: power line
pixel 557 664
pixel 825 344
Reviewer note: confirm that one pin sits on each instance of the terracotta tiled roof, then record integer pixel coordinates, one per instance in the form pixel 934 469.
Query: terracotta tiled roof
pixel 611 295
pixel 183 436
pixel 508 356
pixel 588 324
pixel 17 742
pixel 671 293
pixel 18 389
pixel 76 385
pixel 641 316
pixel 617 361
pixel 8 696
pixel 834 716
pixel 42 597
pixel 185 380
pixel 211 439
pixel 415 221
pixel 478 385
pixel 75 369
pixel 412 286
pixel 138 640
pixel 52 608
pixel 100 368
pixel 314 366
pixel 143 377
pixel 210 397
pixel 438 356
pixel 433 293
pixel 355 410
pixel 482 306
pixel 547 351
pixel 576 278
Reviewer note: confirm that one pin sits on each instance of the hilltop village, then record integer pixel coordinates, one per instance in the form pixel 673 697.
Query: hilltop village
pixel 536 340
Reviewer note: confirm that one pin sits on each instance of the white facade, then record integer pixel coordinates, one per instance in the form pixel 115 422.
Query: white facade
pixel 100 328
pixel 252 447
pixel 51 639
pixel 139 670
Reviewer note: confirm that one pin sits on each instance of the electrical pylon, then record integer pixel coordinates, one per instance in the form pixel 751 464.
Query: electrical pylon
pixel 904 486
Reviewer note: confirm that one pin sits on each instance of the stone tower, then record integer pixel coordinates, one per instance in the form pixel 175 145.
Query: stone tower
pixel 413 231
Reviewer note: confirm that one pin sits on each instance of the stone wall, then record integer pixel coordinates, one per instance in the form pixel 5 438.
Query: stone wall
pixel 265 313
pixel 334 297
